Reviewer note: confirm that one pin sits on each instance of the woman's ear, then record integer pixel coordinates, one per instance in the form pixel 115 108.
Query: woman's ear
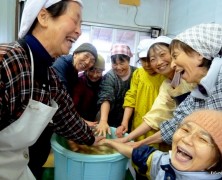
pixel 43 17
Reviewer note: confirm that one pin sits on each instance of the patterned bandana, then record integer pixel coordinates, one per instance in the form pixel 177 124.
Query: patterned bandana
pixel 31 11
pixel 206 39
pixel 121 49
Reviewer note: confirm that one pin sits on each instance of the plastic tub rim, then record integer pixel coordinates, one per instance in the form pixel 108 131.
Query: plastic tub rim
pixel 84 157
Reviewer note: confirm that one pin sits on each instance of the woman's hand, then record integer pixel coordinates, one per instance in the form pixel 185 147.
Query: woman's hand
pixel 97 140
pixel 121 130
pixel 122 139
pixel 102 128
pixel 134 144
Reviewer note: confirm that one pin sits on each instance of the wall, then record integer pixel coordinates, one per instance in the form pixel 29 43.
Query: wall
pixel 150 13
pixel 182 14
pixel 185 14
pixel 7 20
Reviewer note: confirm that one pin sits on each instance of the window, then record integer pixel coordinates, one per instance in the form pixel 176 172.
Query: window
pixel 103 38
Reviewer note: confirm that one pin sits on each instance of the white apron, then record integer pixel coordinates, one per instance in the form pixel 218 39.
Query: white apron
pixel 18 136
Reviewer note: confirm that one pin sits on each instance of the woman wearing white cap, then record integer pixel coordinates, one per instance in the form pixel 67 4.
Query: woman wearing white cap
pixel 196 56
pixel 31 94
pixel 138 99
pixel 170 95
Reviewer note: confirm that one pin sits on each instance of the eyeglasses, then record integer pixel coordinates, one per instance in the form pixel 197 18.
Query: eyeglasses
pixel 95 70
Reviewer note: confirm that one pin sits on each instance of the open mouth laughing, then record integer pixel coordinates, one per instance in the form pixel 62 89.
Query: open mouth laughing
pixel 182 155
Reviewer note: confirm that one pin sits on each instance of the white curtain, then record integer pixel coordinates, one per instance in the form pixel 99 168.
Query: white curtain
pixel 7 20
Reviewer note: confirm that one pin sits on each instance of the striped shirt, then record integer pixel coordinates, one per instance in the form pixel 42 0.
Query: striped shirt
pixel 113 89
pixel 213 100
pixel 15 85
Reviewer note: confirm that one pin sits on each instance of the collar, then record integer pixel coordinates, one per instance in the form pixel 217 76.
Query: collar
pixel 172 173
pixel 169 172
pixel 42 59
pixel 39 52
pixel 208 82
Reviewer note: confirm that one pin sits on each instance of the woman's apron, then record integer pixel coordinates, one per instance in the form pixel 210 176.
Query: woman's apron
pixel 18 136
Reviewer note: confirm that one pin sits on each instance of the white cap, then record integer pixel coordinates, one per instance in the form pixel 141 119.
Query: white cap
pixel 31 11
pixel 162 39
pixel 143 47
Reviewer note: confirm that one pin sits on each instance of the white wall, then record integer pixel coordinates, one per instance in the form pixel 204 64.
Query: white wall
pixel 185 14
pixel 182 14
pixel 7 20
pixel 150 13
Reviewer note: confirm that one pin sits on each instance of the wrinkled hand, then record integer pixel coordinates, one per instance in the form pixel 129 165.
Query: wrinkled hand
pixel 102 129
pixel 122 139
pixel 121 130
pixel 97 140
pixel 134 144
pixel 102 142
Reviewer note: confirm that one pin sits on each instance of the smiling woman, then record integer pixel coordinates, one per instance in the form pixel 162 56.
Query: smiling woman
pixel 114 86
pixel 168 98
pixel 198 64
pixel 185 59
pixel 196 152
pixel 67 67
pixel 196 145
pixel 28 81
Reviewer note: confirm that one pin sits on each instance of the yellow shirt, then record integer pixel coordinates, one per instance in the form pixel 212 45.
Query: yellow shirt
pixel 144 89
pixel 164 105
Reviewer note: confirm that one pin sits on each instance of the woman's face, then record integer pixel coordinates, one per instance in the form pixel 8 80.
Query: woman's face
pixel 94 74
pixel 62 31
pixel 146 66
pixel 188 65
pixel 83 61
pixel 121 68
pixel 160 60
pixel 193 148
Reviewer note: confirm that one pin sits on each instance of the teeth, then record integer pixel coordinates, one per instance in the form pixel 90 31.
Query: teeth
pixel 184 154
pixel 162 67
pixel 72 40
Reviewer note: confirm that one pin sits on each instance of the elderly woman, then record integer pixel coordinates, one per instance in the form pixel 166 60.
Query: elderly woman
pixel 196 56
pixel 113 89
pixel 32 96
pixel 68 67
pixel 138 99
pixel 85 92
pixel 196 150
pixel 170 95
